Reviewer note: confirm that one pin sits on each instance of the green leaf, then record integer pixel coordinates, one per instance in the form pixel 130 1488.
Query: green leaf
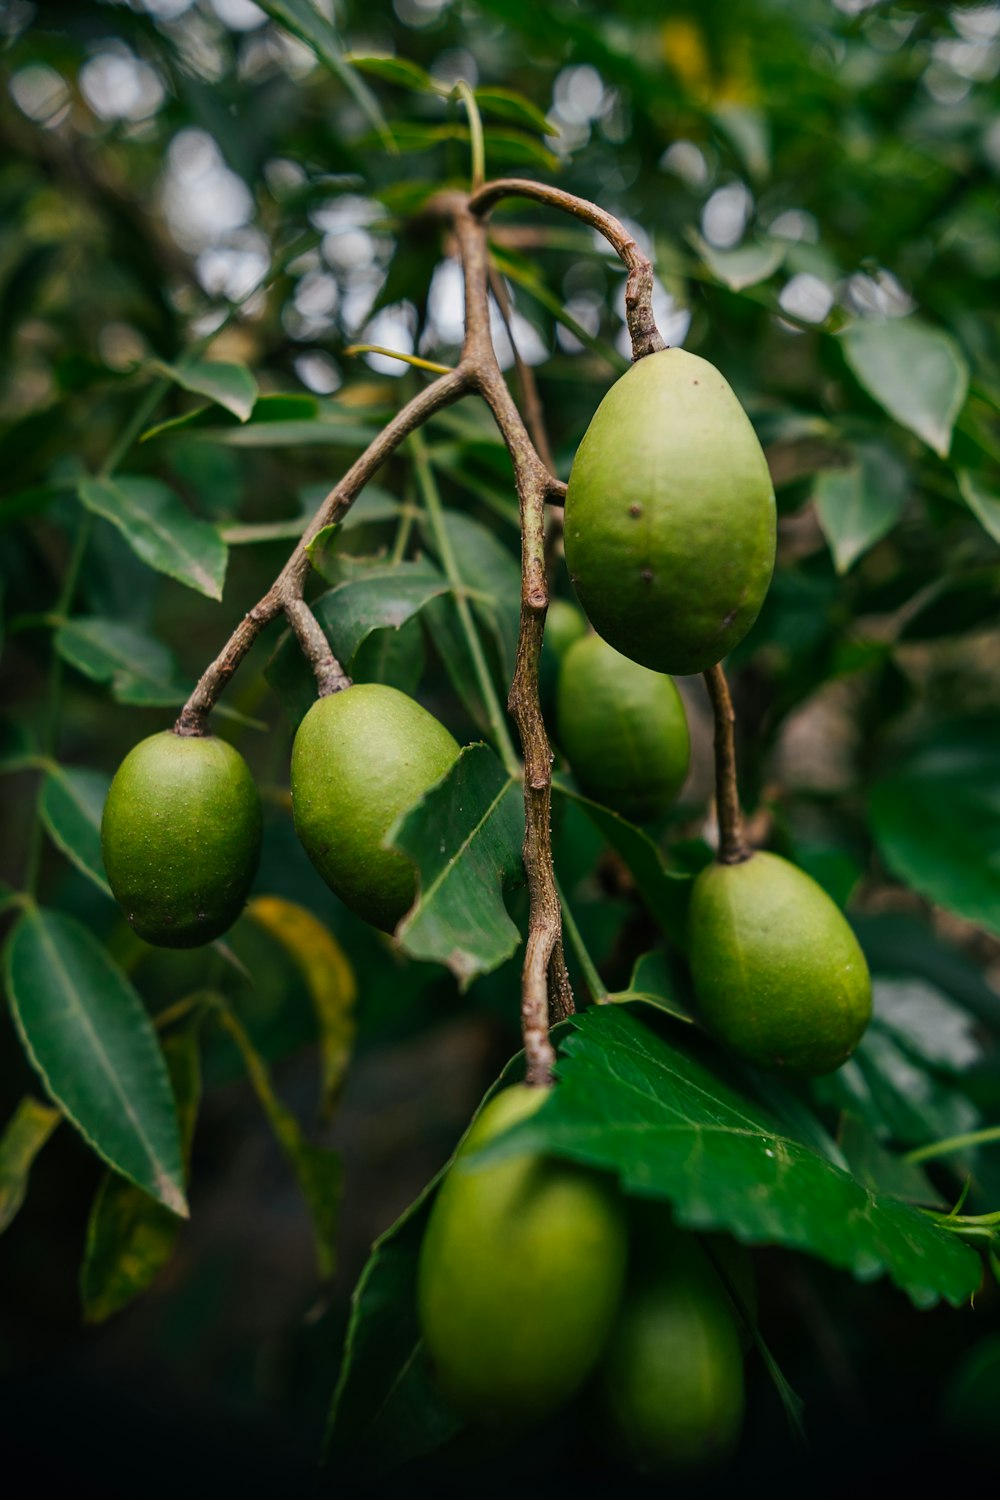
pixel 630 1102
pixel 305 22
pixel 398 70
pixel 984 503
pixel 856 506
pixel 651 984
pixel 317 1169
pixel 883 1171
pixel 71 807
pixel 464 837
pixel 506 104
pixel 160 530
pixel 24 1136
pixel 130 1238
pixel 936 819
pixel 131 661
pixel 89 1037
pixel 915 372
pixel 491 575
pixel 284 407
pixel 228 385
pixel 739 269
pixel 665 892
pixel 376 598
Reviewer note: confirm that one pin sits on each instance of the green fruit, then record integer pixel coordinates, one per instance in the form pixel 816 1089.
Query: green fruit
pixel 670 517
pixel 360 758
pixel 623 730
pixel 673 1378
pixel 181 838
pixel 779 975
pixel 564 624
pixel 521 1273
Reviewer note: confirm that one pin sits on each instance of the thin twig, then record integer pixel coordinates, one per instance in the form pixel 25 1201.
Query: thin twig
pixel 330 675
pixel 733 848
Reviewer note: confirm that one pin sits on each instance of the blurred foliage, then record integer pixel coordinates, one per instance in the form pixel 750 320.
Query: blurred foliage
pixel 207 202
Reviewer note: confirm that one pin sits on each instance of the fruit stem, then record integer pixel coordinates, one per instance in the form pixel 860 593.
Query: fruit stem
pixel 733 848
pixel 645 336
pixel 330 675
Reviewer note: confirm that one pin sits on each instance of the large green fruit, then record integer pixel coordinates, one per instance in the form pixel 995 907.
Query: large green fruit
pixel 361 757
pixel 670 517
pixel 521 1273
pixel 181 838
pixel 779 975
pixel 623 730
pixel 673 1378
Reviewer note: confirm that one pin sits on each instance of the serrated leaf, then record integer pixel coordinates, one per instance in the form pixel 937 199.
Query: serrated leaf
pixel 915 372
pixel 305 22
pixel 317 1169
pixel 328 977
pixel 71 807
pixel 138 667
pixel 398 70
pixel 228 385
pixel 630 1102
pixel 936 819
pixel 742 268
pixel 130 1238
pixel 464 836
pixel 24 1136
pixel 159 529
pixel 665 892
pixel 984 503
pixel 88 1035
pixel 857 505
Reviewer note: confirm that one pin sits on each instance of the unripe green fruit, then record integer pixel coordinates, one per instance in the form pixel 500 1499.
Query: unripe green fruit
pixel 181 838
pixel 521 1273
pixel 361 757
pixel 623 730
pixel 670 516
pixel 779 975
pixel 564 624
pixel 673 1377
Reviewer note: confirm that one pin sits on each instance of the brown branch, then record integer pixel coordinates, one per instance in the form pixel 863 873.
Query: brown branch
pixel 645 336
pixel 287 587
pixel 330 675
pixel 733 848
pixel 544 963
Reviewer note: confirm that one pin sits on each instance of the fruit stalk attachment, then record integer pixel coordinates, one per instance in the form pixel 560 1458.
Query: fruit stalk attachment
pixel 733 848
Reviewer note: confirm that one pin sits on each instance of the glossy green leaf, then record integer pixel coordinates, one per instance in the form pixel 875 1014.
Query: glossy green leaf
pixel 130 1238
pixel 287 407
pixel 665 892
pixel 306 22
pixel 376 598
pixel 317 1169
pixel 160 530
pixel 983 502
pixel 491 574
pixel 630 1102
pixel 506 104
pixel 857 505
pixel 71 806
pixel 917 373
pixel 883 1171
pixel 24 1136
pixel 652 984
pixel 398 70
pixel 936 819
pixel 464 837
pixel 86 1032
pixel 747 266
pixel 228 385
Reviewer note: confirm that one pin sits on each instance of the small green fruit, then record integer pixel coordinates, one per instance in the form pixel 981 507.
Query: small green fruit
pixel 564 624
pixel 779 975
pixel 670 516
pixel 361 757
pixel 623 730
pixel 673 1378
pixel 521 1273
pixel 181 838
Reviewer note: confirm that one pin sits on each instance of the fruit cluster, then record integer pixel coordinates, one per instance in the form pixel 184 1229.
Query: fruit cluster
pixel 531 1293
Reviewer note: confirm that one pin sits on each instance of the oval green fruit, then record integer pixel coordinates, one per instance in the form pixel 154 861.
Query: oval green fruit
pixel 779 975
pixel 564 625
pixel 180 837
pixel 623 730
pixel 670 516
pixel 521 1273
pixel 361 757
pixel 673 1378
